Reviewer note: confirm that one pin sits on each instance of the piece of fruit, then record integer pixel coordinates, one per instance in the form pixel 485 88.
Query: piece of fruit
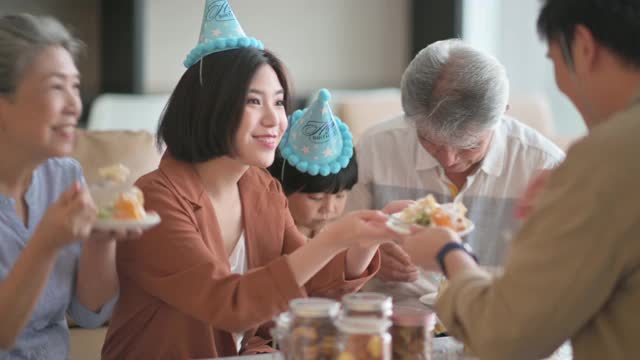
pixel 129 205
pixel 441 218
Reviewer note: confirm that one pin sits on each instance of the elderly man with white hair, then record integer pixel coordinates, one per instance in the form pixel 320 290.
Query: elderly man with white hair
pixel 455 142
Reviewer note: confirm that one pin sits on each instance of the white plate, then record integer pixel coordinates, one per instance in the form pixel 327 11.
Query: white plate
pixel 151 219
pixel 394 223
pixel 429 299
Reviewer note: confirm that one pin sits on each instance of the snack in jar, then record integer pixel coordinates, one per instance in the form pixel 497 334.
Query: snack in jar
pixel 411 333
pixel 313 334
pixel 367 304
pixel 363 338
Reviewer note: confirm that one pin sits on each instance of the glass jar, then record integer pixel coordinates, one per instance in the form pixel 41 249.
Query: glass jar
pixel 412 333
pixel 363 338
pixel 367 304
pixel 313 334
pixel 280 331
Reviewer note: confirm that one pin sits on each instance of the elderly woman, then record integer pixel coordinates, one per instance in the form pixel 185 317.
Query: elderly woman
pixel 45 210
pixel 455 142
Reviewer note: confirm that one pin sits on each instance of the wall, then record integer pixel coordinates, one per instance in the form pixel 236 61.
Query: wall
pixel 330 43
pixel 507 29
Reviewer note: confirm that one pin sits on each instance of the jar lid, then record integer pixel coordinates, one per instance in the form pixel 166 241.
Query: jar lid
pixel 405 315
pixel 283 320
pixel 368 301
pixel 314 307
pixel 362 325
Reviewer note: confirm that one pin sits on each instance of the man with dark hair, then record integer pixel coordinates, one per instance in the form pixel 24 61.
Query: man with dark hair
pixel 573 271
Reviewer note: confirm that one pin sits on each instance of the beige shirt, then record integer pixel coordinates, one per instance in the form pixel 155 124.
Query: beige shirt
pixel 573 271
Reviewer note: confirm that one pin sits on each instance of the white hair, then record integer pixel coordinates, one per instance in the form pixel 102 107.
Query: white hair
pixel 22 37
pixel 453 92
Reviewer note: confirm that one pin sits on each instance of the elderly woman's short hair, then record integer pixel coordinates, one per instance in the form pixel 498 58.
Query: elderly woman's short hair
pixel 453 92
pixel 22 38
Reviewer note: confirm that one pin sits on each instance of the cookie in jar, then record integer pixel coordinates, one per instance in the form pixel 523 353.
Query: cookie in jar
pixel 363 338
pixel 313 333
pixel 412 333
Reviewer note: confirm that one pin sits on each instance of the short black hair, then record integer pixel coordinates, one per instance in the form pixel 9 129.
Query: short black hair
pixel 201 119
pixel 614 23
pixel 294 181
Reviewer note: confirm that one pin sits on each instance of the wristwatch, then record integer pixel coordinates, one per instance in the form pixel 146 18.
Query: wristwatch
pixel 450 247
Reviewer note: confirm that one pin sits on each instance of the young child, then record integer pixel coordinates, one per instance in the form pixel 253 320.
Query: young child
pixel 316 198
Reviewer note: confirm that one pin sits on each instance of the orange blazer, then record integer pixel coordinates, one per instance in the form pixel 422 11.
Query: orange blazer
pixel 178 298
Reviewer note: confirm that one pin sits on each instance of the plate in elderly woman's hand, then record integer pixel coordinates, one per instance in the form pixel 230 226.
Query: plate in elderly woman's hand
pixel 150 220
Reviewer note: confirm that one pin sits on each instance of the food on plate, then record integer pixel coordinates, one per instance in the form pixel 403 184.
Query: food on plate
pixel 129 205
pixel 427 212
pixel 125 204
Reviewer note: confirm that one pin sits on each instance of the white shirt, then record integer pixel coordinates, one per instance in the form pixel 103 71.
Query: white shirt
pixel 392 165
pixel 239 265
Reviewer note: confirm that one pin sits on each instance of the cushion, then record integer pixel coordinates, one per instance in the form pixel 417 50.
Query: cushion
pixel 136 150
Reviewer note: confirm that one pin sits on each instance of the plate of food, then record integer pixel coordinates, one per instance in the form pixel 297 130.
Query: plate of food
pixel 148 221
pixel 428 212
pixel 429 299
pixel 120 205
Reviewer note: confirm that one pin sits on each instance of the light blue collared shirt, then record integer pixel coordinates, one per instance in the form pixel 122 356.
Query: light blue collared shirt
pixel 46 335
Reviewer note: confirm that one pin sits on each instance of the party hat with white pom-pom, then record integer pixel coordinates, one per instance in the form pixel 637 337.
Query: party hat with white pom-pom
pixel 220 31
pixel 317 142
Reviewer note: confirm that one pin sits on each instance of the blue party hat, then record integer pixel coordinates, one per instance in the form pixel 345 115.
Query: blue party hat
pixel 220 31
pixel 317 142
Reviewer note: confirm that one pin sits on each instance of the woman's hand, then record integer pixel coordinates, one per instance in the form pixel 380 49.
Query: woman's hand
pixel 423 244
pixel 119 235
pixel 364 228
pixel 69 219
pixel 396 265
pixel 395 206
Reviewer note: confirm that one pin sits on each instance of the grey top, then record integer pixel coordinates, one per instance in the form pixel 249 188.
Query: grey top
pixel 46 336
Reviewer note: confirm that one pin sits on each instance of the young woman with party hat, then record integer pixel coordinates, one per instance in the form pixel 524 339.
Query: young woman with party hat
pixel 227 256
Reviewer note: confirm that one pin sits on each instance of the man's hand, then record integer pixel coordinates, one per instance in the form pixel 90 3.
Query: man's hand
pixel 527 201
pixel 424 243
pixel 396 264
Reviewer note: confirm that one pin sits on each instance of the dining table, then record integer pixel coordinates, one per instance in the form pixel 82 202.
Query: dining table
pixel 442 348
